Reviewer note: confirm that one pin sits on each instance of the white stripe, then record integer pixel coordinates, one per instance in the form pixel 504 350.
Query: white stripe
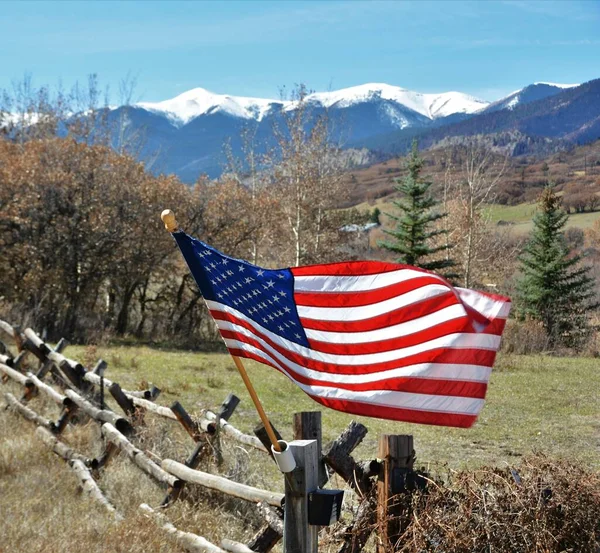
pixel 456 340
pixel 386 398
pixel 427 371
pixel 490 308
pixel 403 329
pixel 360 283
pixel 347 314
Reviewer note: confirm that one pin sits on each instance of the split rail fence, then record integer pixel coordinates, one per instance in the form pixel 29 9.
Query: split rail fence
pixel 79 391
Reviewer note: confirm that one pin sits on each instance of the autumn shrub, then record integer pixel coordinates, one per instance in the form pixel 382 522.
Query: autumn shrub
pixel 540 506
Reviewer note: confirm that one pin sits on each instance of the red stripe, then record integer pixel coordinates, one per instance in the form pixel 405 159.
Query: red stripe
pixel 461 324
pixel 415 385
pixel 470 356
pixel 350 268
pixel 377 411
pixel 367 297
pixel 400 315
pixel 398 414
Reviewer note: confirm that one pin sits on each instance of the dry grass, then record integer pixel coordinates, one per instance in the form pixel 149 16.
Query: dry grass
pixel 42 509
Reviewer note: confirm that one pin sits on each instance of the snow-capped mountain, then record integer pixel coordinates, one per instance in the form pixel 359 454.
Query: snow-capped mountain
pixel 197 102
pixel 185 135
pixel 431 106
pixel 189 131
pixel 531 93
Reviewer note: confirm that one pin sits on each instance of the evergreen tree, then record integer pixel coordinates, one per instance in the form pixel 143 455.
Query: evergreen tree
pixel 554 288
pixel 414 233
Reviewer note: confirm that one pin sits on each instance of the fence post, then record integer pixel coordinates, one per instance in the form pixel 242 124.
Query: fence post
pixel 307 426
pixel 397 456
pixel 298 535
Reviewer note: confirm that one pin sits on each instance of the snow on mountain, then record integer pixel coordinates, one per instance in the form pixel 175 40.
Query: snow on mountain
pixel 187 106
pixel 559 85
pixel 531 93
pixel 431 106
pixel 199 101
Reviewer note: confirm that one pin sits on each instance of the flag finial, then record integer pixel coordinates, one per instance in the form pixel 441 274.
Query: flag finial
pixel 168 218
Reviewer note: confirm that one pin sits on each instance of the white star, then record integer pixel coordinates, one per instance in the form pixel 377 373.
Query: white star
pixel 248 280
pixel 266 321
pixel 241 268
pixel 297 336
pixel 286 309
pixel 282 294
pixel 270 284
pixel 213 282
pixel 260 272
pixel 255 292
pixel 219 295
pixel 271 317
pixel 230 272
pixel 280 328
pixel 213 265
pixel 275 298
pixel 279 275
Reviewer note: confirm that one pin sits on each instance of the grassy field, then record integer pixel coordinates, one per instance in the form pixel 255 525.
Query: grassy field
pixel 542 404
pixel 519 217
pixel 534 403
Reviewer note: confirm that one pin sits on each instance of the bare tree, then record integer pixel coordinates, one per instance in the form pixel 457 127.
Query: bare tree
pixel 474 186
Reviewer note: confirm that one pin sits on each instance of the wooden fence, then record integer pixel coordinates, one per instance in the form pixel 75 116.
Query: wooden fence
pixel 76 389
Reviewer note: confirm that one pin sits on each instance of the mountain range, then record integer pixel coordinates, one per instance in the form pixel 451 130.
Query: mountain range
pixel 186 134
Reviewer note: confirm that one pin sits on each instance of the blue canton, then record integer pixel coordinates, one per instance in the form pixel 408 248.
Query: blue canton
pixel 264 295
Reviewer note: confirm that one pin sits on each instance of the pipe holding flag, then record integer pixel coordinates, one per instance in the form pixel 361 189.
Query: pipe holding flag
pixel 364 337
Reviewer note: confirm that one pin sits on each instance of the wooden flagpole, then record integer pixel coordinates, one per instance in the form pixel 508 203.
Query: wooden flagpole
pixel 168 218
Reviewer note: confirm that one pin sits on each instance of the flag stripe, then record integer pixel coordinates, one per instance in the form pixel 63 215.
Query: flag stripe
pixel 400 315
pixel 359 283
pixel 447 328
pixel 349 298
pixel 375 309
pixel 461 340
pixel 452 312
pixel 384 397
pixel 417 385
pixel 233 327
pixel 359 268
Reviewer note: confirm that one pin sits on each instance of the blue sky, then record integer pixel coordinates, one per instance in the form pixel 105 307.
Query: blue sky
pixel 486 48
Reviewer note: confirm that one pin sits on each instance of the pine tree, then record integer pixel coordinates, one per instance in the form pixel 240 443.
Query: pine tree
pixel 414 233
pixel 555 288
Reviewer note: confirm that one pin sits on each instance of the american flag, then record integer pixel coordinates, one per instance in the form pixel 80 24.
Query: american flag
pixel 364 337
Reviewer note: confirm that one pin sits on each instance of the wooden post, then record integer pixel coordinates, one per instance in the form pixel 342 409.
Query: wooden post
pixel 261 433
pixel 47 364
pixel 307 426
pixel 397 455
pixel 298 535
pixel 186 421
pixel 124 402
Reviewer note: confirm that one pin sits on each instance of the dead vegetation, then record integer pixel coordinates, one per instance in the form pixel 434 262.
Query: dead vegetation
pixel 540 506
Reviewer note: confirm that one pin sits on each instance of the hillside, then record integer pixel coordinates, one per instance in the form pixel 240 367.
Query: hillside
pixel 572 170
pixel 572 115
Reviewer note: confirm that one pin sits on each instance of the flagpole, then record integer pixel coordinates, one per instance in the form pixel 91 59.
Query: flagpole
pixel 168 218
